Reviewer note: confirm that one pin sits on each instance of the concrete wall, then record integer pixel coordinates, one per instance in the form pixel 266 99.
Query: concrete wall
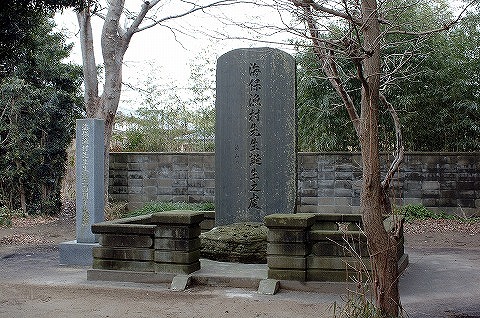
pixel 327 182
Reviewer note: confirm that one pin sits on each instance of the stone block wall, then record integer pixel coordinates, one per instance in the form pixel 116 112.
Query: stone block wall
pixel 138 178
pixel 327 182
pixel 450 182
pixel 322 247
pixel 166 242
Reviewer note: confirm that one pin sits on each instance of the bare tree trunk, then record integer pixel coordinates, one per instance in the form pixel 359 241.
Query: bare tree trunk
pixel 21 190
pixel 381 244
pixel 114 46
pixel 115 41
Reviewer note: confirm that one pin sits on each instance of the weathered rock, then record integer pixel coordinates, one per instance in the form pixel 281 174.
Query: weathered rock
pixel 238 242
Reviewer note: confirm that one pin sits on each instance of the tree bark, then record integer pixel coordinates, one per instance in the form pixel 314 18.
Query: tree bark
pixel 381 244
pixel 114 45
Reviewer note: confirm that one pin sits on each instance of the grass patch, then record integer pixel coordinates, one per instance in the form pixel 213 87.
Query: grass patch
pixel 413 212
pixel 154 207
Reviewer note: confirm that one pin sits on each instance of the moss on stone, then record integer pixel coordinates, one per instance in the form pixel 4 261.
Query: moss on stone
pixel 238 242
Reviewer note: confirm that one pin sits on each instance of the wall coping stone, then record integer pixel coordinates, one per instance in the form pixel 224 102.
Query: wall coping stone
pixel 125 226
pixel 112 228
pixel 177 217
pixel 298 220
pixel 338 217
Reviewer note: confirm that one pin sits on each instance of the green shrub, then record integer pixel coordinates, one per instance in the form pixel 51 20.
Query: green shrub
pixel 419 212
pixel 7 215
pixel 154 207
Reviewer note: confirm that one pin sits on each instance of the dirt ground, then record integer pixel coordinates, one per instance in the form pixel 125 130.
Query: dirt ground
pixel 30 243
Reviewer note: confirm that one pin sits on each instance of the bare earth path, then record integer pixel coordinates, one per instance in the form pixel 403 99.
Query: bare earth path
pixel 443 280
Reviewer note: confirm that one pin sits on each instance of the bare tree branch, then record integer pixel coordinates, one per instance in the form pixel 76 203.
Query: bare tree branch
pixel 319 7
pixel 194 9
pixel 445 27
pixel 399 150
pixel 330 69
pixel 146 6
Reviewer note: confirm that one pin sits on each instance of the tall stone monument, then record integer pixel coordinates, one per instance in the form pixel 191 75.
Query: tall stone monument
pixel 89 161
pixel 255 135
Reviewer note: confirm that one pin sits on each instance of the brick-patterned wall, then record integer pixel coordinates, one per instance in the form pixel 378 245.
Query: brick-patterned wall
pixel 138 178
pixel 327 182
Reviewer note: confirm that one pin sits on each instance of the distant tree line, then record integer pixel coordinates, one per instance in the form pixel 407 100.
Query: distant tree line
pixel 171 118
pixel 436 94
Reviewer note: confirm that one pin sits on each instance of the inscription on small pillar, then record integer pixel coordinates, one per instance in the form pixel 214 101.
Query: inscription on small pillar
pixel 89 182
pixel 255 137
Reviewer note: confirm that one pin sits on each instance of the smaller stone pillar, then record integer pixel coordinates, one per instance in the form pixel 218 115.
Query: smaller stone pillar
pixel 89 161
pixel 287 246
pixel 177 242
pixel 89 168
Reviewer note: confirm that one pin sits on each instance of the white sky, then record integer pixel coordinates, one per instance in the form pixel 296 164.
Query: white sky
pixel 158 46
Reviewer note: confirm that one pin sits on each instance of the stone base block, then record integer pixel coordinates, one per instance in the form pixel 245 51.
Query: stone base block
pixel 326 225
pixel 339 248
pixel 286 262
pixel 286 235
pixel 293 249
pixel 135 266
pixel 177 268
pixel 324 275
pixel 123 254
pixel 180 282
pixel 73 253
pixel 185 245
pixel 207 225
pixel 337 263
pixel 177 232
pixel 286 274
pixel 268 286
pixel 347 274
pixel 177 256
pixel 128 276
pixel 122 240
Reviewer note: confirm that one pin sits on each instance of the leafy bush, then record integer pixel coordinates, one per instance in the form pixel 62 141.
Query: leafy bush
pixel 40 100
pixel 154 207
pixel 419 212
pixel 7 215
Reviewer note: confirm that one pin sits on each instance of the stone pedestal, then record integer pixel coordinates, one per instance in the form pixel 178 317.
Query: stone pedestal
pixel 322 247
pixel 287 247
pixel 177 242
pixel 89 160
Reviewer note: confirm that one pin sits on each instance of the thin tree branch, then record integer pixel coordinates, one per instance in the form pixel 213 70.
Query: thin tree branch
pixel 146 6
pixel 195 9
pixel 330 69
pixel 399 151
pixel 319 7
pixel 445 27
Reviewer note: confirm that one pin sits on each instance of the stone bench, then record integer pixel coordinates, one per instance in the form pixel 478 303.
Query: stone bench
pixel 321 247
pixel 164 242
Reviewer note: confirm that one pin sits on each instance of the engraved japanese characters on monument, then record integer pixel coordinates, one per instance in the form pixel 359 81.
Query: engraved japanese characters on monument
pixel 89 181
pixel 255 143
pixel 89 188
